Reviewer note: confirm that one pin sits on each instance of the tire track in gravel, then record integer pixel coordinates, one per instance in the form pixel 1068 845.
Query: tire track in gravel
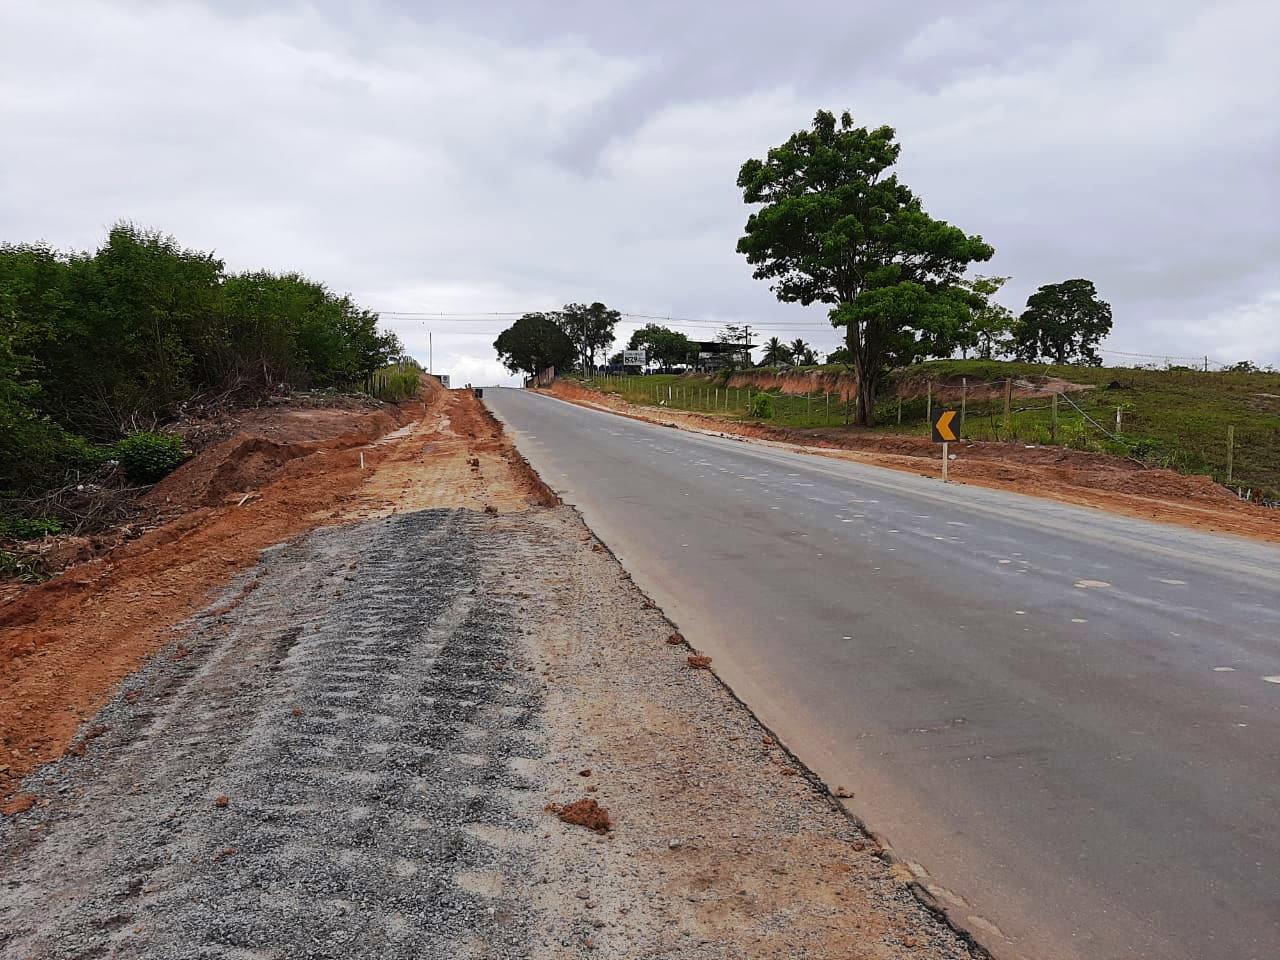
pixel 358 710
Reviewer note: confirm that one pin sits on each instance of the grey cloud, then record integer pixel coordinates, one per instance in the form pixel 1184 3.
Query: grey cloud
pixel 486 156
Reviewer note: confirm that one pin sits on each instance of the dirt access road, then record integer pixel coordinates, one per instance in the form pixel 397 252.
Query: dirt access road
pixel 354 743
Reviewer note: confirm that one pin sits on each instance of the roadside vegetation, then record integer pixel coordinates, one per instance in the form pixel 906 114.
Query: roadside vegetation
pixel 396 381
pixel 1176 418
pixel 98 351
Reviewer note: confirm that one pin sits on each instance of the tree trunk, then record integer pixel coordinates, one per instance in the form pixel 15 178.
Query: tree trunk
pixel 865 415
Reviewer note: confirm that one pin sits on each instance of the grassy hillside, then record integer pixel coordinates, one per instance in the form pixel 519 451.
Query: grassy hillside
pixel 1176 418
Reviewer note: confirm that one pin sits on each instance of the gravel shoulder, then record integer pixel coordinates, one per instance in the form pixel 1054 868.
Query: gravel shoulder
pixel 356 749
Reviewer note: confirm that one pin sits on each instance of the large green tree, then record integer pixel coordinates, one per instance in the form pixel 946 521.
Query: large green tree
pixel 590 327
pixel 835 226
pixel 1063 322
pixel 533 343
pixel 666 346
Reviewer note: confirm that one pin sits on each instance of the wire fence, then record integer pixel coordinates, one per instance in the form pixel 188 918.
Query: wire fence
pixel 1006 410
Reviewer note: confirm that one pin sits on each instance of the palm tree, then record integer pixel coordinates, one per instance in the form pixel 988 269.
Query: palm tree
pixel 775 353
pixel 800 351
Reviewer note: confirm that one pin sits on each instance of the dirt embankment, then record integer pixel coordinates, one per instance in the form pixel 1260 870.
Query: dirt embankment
pixel 66 643
pixel 845 386
pixel 1059 473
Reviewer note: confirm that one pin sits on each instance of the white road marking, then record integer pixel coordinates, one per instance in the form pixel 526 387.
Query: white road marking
pixel 1092 584
pixel 1224 669
pixel 1272 679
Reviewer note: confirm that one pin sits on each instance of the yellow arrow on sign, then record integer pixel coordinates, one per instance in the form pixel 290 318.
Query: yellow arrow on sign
pixel 943 426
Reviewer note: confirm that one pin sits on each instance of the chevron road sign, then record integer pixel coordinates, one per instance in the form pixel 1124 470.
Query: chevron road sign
pixel 944 427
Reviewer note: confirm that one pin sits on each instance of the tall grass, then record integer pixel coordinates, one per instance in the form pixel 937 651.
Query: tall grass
pixel 396 381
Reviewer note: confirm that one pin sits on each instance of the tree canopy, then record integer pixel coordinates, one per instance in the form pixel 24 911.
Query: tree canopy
pixel 93 345
pixel 776 353
pixel 590 327
pixel 665 346
pixel 533 343
pixel 802 354
pixel 835 226
pixel 988 330
pixel 1063 322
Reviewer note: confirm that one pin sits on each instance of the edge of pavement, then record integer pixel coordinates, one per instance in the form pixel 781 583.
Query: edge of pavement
pixel 973 938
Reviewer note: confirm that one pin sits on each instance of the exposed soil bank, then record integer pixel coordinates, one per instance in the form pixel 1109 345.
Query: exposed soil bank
pixel 65 644
pixel 1059 473
pixel 845 386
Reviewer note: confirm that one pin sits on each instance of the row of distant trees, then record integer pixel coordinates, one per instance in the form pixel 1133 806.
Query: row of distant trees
pixel 1062 323
pixel 569 338
pixel 96 345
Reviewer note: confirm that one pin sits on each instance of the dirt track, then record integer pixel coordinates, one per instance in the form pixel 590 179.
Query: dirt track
pixel 351 748
pixel 1071 476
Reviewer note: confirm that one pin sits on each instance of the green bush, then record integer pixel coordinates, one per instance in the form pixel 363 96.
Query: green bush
pixel 762 406
pixel 146 457
pixel 15 527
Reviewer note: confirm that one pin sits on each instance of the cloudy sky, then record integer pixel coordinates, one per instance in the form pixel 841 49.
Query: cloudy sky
pixel 485 157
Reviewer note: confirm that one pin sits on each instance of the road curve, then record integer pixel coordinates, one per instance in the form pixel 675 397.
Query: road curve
pixel 1063 715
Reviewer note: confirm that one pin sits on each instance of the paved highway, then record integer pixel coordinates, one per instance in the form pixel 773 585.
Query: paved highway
pixel 1070 719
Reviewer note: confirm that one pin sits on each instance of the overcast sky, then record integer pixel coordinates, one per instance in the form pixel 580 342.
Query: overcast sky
pixel 478 156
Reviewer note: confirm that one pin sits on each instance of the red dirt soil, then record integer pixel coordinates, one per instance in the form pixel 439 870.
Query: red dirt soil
pixel 1057 473
pixel 583 813
pixel 66 644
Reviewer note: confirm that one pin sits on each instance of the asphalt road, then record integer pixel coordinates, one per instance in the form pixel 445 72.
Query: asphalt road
pixel 1070 719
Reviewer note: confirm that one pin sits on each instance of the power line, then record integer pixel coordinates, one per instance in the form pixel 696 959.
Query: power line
pixel 463 316
pixel 693 326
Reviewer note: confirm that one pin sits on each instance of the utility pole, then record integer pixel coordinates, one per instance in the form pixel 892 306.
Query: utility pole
pixel 431 354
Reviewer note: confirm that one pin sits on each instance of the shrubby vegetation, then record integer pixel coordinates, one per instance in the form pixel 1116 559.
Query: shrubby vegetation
pixel 146 456
pixel 99 346
pixel 396 381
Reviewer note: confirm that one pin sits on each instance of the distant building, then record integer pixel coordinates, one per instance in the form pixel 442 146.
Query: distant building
pixel 713 354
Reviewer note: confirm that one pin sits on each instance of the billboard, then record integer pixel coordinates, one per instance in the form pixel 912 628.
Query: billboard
pixel 634 358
